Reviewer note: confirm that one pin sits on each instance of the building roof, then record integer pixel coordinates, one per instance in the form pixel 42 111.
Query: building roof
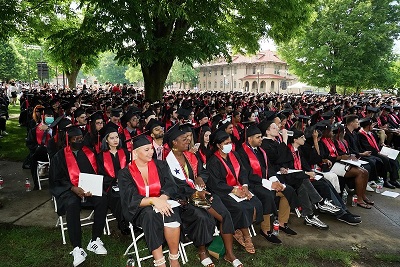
pixel 261 57
pixel 263 76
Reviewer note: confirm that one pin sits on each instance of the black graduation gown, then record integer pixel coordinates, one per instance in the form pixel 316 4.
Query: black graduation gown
pixel 264 194
pixel 59 181
pixel 241 212
pixel 151 222
pixel 280 156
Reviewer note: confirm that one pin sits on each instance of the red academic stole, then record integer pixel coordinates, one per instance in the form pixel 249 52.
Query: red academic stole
pixel 40 138
pixel 254 162
pixel 296 157
pixel 343 146
pixel 236 132
pixel 72 165
pixel 108 163
pixel 231 179
pixel 331 146
pixel 127 135
pixel 371 140
pixel 393 118
pixel 202 156
pixel 378 120
pixel 193 162
pixel 153 180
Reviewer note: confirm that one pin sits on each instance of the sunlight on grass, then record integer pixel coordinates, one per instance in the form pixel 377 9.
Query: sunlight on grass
pixel 12 146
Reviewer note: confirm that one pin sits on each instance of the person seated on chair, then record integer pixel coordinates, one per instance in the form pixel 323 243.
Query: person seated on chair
pixel 111 159
pixel 65 167
pixel 255 160
pixel 37 142
pixel 229 180
pixel 191 178
pixel 146 185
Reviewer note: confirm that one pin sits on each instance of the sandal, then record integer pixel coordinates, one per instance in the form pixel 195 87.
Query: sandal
pixel 159 262
pixel 248 245
pixel 239 237
pixel 207 262
pixel 364 205
pixel 369 202
pixel 235 262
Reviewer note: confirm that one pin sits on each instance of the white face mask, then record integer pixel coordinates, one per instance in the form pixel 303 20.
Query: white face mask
pixel 227 148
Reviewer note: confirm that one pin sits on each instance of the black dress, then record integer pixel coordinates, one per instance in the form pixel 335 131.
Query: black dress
pixel 241 212
pixel 151 222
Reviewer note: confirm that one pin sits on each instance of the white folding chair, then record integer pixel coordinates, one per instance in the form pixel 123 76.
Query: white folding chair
pixel 109 218
pixel 42 172
pixel 63 224
pixel 137 251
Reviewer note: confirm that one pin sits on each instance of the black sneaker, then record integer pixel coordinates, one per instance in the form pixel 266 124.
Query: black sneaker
pixel 271 238
pixel 347 218
pixel 354 215
pixel 287 230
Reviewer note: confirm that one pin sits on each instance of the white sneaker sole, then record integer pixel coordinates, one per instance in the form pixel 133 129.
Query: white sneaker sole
pixel 96 252
pixel 79 262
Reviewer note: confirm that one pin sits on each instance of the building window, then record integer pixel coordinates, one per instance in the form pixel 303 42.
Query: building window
pixel 235 70
pixel 215 84
pixel 262 69
pixel 221 84
pixel 216 72
pixel 234 84
pixel 276 70
pixel 254 69
pixel 204 84
pixel 209 84
pixel 209 73
pixel 204 74
pixel 222 71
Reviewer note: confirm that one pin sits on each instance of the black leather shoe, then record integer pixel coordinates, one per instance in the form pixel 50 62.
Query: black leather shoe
pixel 388 185
pixel 271 238
pixel 395 183
pixel 287 230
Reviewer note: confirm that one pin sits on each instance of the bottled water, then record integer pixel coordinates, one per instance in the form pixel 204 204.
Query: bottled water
pixel 275 230
pixel 344 196
pixel 130 262
pixel 354 200
pixel 379 186
pixel 27 185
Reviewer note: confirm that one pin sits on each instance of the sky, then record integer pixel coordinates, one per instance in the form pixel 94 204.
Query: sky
pixel 269 44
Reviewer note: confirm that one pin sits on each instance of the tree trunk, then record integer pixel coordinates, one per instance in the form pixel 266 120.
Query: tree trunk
pixel 332 89
pixel 72 78
pixel 155 76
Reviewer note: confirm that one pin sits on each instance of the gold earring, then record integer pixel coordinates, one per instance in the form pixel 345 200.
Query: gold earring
pixel 174 149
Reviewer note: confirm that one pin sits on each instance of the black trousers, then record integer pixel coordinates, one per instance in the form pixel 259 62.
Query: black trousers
pixel 39 155
pixel 73 211
pixel 114 203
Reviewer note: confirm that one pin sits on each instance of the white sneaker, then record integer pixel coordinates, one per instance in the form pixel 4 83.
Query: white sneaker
pixel 97 247
pixel 372 184
pixel 79 256
pixel 5 133
pixel 369 188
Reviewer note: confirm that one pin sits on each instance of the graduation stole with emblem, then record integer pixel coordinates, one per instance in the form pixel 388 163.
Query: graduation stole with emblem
pixel 108 163
pixel 178 170
pixel 72 164
pixel 153 179
pixel 296 157
pixel 127 135
pixel 254 162
pixel 231 179
pixel 331 146
pixel 41 138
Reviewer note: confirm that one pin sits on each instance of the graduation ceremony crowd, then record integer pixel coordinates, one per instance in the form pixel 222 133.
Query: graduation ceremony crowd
pixel 193 162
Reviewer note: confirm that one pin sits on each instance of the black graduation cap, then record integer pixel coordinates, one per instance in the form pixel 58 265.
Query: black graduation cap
pixel 56 121
pixel 372 109
pixel 287 111
pixel 337 108
pixel 218 137
pixel 173 133
pixel 116 112
pixel 153 123
pixel 128 116
pixel 186 127
pixel 337 127
pixel 108 128
pixel 387 108
pixel 323 125
pixel 148 113
pixel 303 118
pixel 269 115
pixel 96 116
pixel 78 112
pixel 252 130
pixel 73 130
pixel 201 115
pixel 48 111
pixel 297 133
pixel 264 125
pixel 365 121
pixel 397 107
pixel 140 140
pixel 327 115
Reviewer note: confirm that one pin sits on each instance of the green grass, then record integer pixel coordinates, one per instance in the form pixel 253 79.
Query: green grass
pixel 38 246
pixel 392 258
pixel 12 146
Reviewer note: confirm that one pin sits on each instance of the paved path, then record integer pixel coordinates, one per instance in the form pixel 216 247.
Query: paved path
pixel 379 231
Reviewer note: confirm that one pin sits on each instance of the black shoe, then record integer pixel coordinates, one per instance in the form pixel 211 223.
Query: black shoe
pixel 287 230
pixel 347 218
pixel 354 215
pixel 271 238
pixel 388 185
pixel 395 183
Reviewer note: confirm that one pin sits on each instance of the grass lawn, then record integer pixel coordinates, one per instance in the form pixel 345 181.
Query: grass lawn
pixel 38 246
pixel 12 146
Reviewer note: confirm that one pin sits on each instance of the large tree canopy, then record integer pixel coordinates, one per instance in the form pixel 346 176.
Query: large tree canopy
pixel 348 44
pixel 153 33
